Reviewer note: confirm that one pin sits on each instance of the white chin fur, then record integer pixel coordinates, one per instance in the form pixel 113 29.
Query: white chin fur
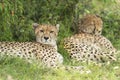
pixel 50 42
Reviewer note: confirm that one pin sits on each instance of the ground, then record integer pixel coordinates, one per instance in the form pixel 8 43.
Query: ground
pixel 17 69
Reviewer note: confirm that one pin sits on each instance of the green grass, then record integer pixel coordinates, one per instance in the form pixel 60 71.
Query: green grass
pixel 17 69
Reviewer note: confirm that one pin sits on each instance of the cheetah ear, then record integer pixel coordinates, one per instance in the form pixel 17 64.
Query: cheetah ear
pixel 35 25
pixel 57 26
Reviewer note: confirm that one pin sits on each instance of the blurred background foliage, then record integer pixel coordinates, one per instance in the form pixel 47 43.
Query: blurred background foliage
pixel 17 16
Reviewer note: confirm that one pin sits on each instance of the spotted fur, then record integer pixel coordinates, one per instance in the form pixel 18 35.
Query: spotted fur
pixel 88 47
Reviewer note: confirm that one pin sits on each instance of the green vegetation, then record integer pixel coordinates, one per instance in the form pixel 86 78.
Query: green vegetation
pixel 21 70
pixel 17 16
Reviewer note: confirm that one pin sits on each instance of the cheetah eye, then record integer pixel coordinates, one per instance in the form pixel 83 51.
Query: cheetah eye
pixel 41 31
pixel 51 31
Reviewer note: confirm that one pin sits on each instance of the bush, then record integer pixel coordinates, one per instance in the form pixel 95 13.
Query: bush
pixel 17 16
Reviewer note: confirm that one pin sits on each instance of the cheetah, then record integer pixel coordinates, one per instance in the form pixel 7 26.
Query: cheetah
pixel 91 24
pixel 44 50
pixel 87 47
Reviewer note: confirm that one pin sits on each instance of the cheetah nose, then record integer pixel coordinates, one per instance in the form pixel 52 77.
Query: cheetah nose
pixel 46 38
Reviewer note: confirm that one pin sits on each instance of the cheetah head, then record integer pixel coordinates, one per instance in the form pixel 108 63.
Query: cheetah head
pixel 90 23
pixel 46 34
